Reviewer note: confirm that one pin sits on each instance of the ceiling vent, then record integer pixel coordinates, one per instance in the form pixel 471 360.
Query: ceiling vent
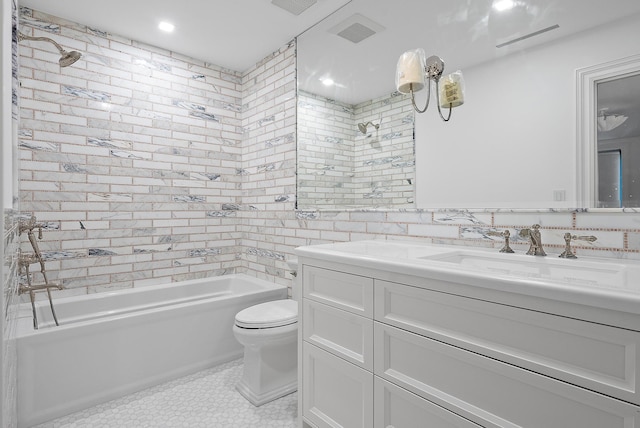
pixel 356 28
pixel 294 6
pixel 526 36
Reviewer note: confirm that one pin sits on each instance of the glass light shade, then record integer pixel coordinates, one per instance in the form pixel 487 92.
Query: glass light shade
pixel 410 71
pixel 452 90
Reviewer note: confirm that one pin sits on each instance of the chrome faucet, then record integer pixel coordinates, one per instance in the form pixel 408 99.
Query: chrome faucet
pixel 506 235
pixel 568 237
pixel 535 240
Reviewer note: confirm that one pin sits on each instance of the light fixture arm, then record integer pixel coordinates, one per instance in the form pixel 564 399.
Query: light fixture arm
pixel 434 66
pixel 413 98
pixel 438 103
pixel 22 37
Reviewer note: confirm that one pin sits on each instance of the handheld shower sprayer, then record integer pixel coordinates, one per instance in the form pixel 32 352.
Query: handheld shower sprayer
pixel 66 58
pixel 363 126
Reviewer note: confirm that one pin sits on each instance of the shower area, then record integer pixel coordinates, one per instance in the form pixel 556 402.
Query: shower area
pixel 130 158
pixel 355 156
pixel 134 163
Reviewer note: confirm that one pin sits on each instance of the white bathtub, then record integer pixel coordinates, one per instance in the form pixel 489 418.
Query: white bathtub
pixel 112 344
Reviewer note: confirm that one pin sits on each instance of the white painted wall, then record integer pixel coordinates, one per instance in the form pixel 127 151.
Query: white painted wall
pixel 513 142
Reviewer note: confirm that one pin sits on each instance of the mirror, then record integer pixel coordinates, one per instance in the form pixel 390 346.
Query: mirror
pixel 513 144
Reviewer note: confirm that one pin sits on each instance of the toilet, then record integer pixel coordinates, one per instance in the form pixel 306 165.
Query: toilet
pixel 269 334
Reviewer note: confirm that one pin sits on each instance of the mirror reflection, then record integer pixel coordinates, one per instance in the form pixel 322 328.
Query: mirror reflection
pixel 618 142
pixel 511 145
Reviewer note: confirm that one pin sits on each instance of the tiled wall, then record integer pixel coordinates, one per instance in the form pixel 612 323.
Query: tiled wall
pixel 158 188
pixel 131 157
pixel 384 158
pixel 9 314
pixel 326 134
pixel 339 166
pixel 8 310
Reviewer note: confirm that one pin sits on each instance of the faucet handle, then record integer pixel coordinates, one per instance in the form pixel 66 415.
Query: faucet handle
pixel 505 234
pixel 568 237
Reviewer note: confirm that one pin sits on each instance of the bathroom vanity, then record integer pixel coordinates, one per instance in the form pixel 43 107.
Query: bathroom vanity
pixel 397 334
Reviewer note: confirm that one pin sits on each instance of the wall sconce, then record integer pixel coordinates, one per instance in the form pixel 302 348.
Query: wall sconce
pixel 411 72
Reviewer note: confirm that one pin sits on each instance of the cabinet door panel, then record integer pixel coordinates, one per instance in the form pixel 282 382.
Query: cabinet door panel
pixel 598 357
pixel 489 392
pixel 397 408
pixel 351 293
pixel 342 333
pixel 336 394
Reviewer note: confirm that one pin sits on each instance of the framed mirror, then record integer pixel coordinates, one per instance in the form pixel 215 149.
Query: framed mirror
pixel 514 144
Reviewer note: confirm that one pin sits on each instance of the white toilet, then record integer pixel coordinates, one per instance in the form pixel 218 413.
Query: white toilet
pixel 269 334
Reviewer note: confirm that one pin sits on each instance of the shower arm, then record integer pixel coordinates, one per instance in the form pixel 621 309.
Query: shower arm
pixel 22 37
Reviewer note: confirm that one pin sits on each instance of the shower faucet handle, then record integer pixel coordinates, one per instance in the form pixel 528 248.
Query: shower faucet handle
pixel 506 235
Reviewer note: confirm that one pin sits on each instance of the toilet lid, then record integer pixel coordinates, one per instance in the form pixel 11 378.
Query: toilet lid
pixel 277 313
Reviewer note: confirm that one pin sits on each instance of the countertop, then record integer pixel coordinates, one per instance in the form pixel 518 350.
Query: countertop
pixel 599 282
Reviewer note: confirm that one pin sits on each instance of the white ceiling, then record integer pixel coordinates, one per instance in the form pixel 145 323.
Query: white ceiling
pixel 238 34
pixel 235 34
pixel 462 32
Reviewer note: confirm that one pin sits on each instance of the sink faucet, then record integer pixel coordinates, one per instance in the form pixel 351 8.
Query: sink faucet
pixel 535 240
pixel 568 237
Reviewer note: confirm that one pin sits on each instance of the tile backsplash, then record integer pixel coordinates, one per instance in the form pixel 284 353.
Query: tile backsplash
pixel 147 166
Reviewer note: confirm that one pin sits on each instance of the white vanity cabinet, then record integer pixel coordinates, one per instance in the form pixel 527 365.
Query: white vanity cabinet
pixel 391 349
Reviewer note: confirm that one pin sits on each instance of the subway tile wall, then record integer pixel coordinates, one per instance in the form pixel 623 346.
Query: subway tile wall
pixel 193 172
pixel 339 166
pixel 10 243
pixel 131 158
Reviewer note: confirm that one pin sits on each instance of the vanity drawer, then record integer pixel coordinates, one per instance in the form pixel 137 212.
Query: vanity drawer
pixel 341 290
pixel 398 408
pixel 335 393
pixel 340 332
pixel 489 392
pixel 598 357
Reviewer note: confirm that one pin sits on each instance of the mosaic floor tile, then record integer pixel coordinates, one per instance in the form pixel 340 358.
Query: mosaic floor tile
pixel 207 399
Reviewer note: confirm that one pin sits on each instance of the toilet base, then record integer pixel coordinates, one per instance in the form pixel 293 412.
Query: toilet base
pixel 270 368
pixel 259 400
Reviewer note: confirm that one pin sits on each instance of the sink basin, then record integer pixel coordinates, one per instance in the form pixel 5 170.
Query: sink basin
pixel 602 273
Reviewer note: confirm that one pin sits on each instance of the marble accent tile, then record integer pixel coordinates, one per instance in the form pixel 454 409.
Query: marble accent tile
pixel 85 93
pixel 433 231
pixel 458 217
pixel 564 219
pixel 613 220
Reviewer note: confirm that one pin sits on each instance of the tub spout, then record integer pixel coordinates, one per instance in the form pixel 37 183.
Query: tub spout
pixel 31 289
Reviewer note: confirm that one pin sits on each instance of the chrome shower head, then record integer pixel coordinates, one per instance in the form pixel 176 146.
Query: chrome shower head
pixel 69 58
pixel 66 58
pixel 363 126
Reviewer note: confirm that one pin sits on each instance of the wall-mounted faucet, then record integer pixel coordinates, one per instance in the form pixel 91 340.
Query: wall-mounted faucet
pixel 535 240
pixel 25 260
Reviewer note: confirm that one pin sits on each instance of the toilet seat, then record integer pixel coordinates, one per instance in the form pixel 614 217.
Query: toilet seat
pixel 277 313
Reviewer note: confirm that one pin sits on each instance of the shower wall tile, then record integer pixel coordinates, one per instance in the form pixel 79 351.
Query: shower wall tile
pixel 117 148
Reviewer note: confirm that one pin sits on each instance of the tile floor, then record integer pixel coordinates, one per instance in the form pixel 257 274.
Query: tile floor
pixel 206 399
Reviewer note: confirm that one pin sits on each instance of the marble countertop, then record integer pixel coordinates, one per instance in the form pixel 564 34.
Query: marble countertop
pixel 600 282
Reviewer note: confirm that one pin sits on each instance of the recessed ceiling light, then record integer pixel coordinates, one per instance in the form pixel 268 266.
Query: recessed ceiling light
pixel 166 26
pixel 327 81
pixel 502 5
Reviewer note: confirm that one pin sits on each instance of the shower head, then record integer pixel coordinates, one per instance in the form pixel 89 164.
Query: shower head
pixel 66 58
pixel 363 126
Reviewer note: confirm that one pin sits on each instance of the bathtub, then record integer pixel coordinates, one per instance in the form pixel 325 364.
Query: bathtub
pixel 112 344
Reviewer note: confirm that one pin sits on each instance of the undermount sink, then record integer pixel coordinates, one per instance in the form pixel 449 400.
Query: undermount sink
pixel 587 272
